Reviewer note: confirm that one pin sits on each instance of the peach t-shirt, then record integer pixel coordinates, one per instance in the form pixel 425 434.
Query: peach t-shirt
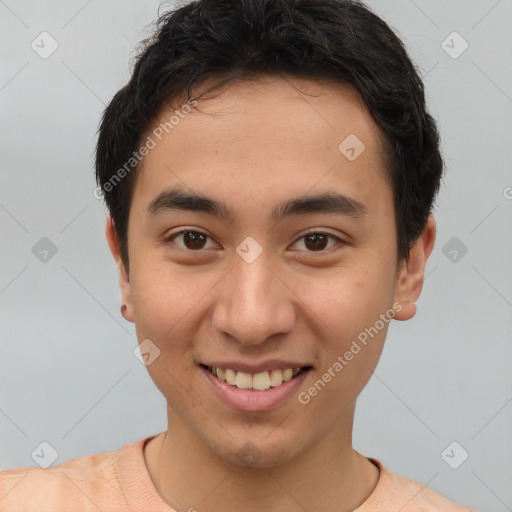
pixel 119 481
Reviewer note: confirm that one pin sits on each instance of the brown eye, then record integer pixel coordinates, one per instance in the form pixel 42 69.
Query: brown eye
pixel 191 240
pixel 318 242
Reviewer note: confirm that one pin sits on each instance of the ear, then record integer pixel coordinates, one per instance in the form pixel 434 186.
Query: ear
pixel 410 276
pixel 124 280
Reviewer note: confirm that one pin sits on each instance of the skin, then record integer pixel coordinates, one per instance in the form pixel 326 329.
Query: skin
pixel 254 145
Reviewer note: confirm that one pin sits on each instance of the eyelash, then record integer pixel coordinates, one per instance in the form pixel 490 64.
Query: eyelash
pixel 171 238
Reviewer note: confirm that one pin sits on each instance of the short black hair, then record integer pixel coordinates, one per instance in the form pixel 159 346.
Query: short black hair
pixel 340 40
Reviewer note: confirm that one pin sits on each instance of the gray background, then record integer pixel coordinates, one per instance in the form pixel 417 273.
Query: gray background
pixel 68 374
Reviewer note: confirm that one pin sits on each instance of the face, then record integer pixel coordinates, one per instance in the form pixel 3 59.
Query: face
pixel 283 260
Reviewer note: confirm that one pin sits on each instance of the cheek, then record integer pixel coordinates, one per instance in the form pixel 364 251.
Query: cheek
pixel 349 304
pixel 168 302
pixel 350 308
pixel 347 300
pixel 164 303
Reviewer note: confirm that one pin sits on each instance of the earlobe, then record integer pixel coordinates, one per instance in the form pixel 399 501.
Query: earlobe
pixel 124 280
pixel 411 275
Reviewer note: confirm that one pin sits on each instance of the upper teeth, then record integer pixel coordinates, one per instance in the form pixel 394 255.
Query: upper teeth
pixel 259 381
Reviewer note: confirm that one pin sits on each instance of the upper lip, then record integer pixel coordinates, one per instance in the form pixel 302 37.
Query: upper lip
pixel 270 364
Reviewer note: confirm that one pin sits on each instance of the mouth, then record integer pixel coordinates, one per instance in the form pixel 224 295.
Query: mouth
pixel 257 382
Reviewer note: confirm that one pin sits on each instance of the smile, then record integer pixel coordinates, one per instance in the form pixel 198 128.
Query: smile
pixel 255 382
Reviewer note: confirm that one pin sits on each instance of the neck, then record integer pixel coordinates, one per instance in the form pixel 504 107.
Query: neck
pixel 328 476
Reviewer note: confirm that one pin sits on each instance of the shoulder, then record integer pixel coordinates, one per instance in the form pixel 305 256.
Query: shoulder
pixel 395 492
pixel 76 484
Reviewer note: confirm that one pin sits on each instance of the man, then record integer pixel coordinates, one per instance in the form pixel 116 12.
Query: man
pixel 270 171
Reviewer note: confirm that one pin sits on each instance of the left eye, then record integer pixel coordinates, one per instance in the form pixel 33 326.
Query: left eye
pixel 317 241
pixel 196 240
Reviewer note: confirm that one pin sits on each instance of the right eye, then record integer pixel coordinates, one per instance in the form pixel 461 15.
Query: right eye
pixel 193 241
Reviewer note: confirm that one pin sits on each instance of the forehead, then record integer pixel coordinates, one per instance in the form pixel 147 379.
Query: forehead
pixel 264 137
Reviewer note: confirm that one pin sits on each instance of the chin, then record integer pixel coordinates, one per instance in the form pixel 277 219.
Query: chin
pixel 257 455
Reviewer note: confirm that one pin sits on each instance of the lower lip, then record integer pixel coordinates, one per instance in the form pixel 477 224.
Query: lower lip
pixel 247 400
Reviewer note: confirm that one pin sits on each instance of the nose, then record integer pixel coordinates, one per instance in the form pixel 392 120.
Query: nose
pixel 255 303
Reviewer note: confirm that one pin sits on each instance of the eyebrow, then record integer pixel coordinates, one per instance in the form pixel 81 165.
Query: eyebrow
pixel 327 202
